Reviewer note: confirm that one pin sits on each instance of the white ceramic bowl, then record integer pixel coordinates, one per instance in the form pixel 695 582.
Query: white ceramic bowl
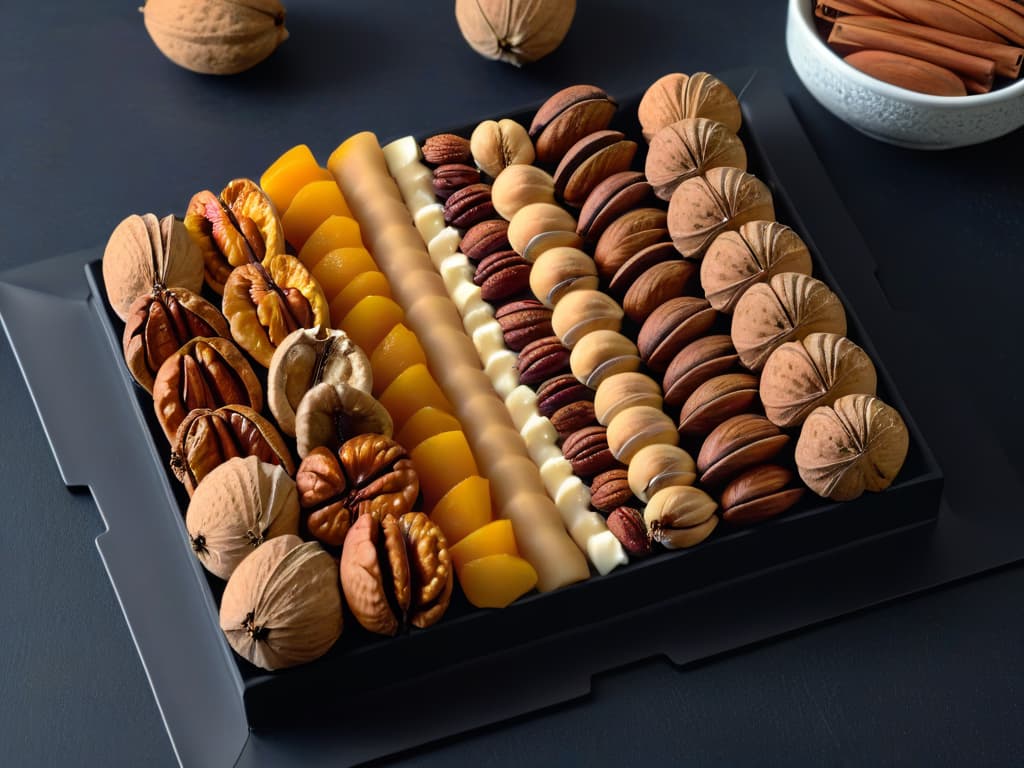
pixel 890 113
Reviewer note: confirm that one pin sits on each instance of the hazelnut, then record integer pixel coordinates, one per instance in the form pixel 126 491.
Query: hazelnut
pixel 535 219
pixel 520 185
pixel 560 270
pixel 579 312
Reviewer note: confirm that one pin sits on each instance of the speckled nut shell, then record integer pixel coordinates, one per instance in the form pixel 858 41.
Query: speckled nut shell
pixel 680 516
pixel 542 359
pixel 656 285
pixel 485 238
pixel 752 254
pixel 658 466
pixel 627 235
pixel 801 375
pixel 722 199
pixel 445 148
pixel 857 444
pixel 330 414
pixel 566 117
pixel 523 321
pixel 624 390
pixel 520 185
pixel 601 354
pixel 558 271
pixel 689 148
pixel 590 161
pixel 735 444
pixel 716 400
pixel 502 275
pixel 579 312
pixel 587 450
pixel 619 193
pixel 559 391
pixel 610 490
pixel 497 144
pixel 788 307
pixel 671 327
pixel 535 219
pixel 697 362
pixel 637 426
pixel 468 206
pixel 676 96
pixel 759 493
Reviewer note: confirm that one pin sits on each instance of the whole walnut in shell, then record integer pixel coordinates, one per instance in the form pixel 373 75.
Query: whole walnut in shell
pixel 514 31
pixel 282 605
pixel 238 506
pixel 215 37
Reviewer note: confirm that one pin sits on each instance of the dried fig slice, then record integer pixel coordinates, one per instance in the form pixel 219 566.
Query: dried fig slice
pixel 375 575
pixel 265 302
pixel 143 253
pixel 159 322
pixel 330 414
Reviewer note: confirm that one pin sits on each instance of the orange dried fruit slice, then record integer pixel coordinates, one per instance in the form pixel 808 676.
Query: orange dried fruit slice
pixel 495 581
pixel 337 269
pixel 370 320
pixel 442 462
pixel 397 351
pixel 335 232
pixel 310 208
pixel 465 510
pixel 289 173
pixel 371 283
pixel 426 422
pixel 412 389
pixel 493 538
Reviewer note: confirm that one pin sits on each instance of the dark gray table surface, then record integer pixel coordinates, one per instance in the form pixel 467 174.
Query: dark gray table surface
pixel 98 124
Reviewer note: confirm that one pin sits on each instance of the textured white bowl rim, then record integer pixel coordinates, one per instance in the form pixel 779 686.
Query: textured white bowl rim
pixel 804 10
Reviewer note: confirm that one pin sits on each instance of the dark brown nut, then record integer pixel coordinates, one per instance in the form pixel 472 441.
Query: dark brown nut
pixel 680 516
pixel 658 466
pixel 697 362
pixel 619 193
pixel 624 390
pixel 857 444
pixel 631 270
pixel 581 311
pixel 158 323
pixel 566 117
pixel 330 414
pixel 430 569
pixel 144 254
pixel 537 219
pixel 676 96
pixel 716 400
pixel 369 475
pixel 452 177
pixel 655 286
pixel 788 307
pixel 601 354
pixel 754 253
pixel 628 526
pixel 375 575
pixel 590 161
pixel 468 206
pixel 485 238
pixel 572 417
pixel 737 443
pixel 265 302
pixel 207 438
pixel 519 185
pixel 238 227
pixel 206 372
pixel 446 148
pixel 541 359
pixel 497 144
pixel 502 275
pixel 610 490
pixel 522 322
pixel 801 375
pixel 560 270
pixel 560 391
pixel 637 427
pixel 689 148
pixel 587 450
pixel 761 492
pixel 704 206
pixel 671 327
pixel 626 236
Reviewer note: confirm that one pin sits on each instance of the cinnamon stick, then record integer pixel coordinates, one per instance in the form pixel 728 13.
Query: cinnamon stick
pixel 991 14
pixel 941 15
pixel 964 64
pixel 975 87
pixel 1008 59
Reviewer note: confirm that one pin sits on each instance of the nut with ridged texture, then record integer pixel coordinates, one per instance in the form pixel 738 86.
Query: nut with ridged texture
pixel 444 148
pixel 572 417
pixel 450 178
pixel 541 360
pixel 857 444
pixel 484 238
pixel 695 363
pixel 587 450
pixel 716 400
pixel 497 144
pixel 523 321
pixel 624 390
pixel 737 443
pixel 330 414
pixel 788 307
pixel 566 117
pixel 611 489
pixel 628 526
pixel 676 96
pixel 518 186
pixel 560 270
pixel 818 370
pixel 502 275
pixel 430 569
pixel 689 148
pixel 579 312
pixel 658 466
pixel 702 207
pixel 759 493
pixel 616 195
pixel 537 219
pixel 638 426
pixel 375 574
pixel 680 516
pixel 754 253
pixel 560 391
pixel 601 354
pixel 468 206
pixel 514 31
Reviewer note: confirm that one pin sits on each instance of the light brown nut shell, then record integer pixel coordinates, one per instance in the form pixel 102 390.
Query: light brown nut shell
pixel 788 307
pixel 497 144
pixel 536 219
pixel 237 507
pixel 143 253
pixel 759 493
pixel 624 390
pixel 658 466
pixel 311 356
pixel 519 185
pixel 514 31
pixel 579 312
pixel 430 568
pixel 818 370
pixel 601 354
pixel 330 414
pixel 716 400
pixel 677 96
pixel 857 444
pixel 638 426
pixel 627 235
pixel 680 516
pixel 282 605
pixel 378 596
pixel 560 270
pixel 689 148
pixel 737 443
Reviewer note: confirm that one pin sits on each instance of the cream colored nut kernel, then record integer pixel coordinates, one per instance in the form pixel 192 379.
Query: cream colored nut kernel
pixel 581 311
pixel 624 390
pixel 601 354
pixel 637 427
pixel 680 516
pixel 658 466
pixel 518 186
pixel 535 219
pixel 560 270
pixel 497 144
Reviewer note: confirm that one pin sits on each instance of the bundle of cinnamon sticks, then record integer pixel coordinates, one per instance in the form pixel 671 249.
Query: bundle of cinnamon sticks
pixel 941 47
